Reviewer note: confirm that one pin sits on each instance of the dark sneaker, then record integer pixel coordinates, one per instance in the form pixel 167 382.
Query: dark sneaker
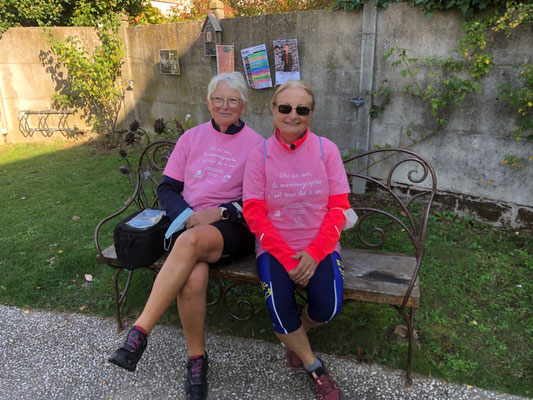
pixel 129 355
pixel 196 383
pixel 325 387
pixel 292 360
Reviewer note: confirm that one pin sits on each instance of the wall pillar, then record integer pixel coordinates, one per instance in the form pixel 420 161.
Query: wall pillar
pixel 361 137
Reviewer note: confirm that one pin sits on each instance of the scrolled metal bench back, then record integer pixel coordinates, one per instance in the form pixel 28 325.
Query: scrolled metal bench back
pixel 417 172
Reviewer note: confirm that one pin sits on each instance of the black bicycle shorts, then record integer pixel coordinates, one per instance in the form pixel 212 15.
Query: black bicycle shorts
pixel 238 240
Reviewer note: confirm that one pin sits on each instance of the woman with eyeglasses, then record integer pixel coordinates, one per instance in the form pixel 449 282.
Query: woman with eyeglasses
pixel 295 195
pixel 203 177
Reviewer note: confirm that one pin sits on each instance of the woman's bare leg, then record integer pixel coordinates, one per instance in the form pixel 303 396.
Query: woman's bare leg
pixel 202 243
pixel 192 308
pixel 298 341
pixel 307 322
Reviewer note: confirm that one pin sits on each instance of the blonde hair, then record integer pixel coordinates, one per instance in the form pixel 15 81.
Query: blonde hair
pixel 294 84
pixel 234 80
pixel 291 84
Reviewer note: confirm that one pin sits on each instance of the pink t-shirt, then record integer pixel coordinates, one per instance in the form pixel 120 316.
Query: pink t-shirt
pixel 296 185
pixel 211 164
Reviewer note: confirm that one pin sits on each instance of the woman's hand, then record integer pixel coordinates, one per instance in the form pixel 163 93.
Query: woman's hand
pixel 204 217
pixel 305 270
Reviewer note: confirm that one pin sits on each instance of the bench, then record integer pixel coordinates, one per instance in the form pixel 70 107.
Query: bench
pixel 28 126
pixel 371 275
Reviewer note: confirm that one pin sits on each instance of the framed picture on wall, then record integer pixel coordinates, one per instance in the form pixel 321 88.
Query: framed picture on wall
pixel 169 62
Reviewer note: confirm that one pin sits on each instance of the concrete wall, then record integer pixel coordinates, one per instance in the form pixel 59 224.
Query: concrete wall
pixel 25 82
pixel 468 151
pixel 331 69
pixel 341 56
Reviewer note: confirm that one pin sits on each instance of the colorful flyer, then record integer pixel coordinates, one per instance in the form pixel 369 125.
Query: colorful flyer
pixel 286 60
pixel 255 62
pixel 225 58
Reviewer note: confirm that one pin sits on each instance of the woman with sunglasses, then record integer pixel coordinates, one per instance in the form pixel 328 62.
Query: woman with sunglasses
pixel 203 177
pixel 295 194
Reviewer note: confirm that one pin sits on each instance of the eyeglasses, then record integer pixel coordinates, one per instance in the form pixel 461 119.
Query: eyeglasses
pixel 232 102
pixel 300 110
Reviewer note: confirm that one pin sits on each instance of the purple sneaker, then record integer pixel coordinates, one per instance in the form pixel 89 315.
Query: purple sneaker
pixel 130 353
pixel 196 383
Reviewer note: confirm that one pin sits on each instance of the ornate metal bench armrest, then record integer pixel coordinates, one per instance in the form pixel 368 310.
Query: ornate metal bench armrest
pixel 152 157
pixel 419 172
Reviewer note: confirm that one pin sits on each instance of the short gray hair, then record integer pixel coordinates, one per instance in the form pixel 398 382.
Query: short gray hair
pixel 234 80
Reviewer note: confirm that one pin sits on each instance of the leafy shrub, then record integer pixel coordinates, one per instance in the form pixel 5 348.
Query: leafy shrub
pixel 61 12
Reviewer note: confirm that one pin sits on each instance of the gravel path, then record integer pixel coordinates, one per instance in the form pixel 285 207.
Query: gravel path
pixel 48 355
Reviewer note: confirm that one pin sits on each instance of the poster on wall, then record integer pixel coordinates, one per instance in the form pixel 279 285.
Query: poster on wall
pixel 256 67
pixel 286 60
pixel 169 62
pixel 225 57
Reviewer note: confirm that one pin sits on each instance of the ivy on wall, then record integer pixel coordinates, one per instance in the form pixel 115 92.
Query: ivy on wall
pixel 468 8
pixel 446 85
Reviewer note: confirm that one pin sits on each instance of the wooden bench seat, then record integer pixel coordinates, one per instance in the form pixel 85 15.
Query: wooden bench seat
pixel 374 276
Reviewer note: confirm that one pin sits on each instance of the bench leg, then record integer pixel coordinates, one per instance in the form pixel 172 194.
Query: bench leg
pixel 120 299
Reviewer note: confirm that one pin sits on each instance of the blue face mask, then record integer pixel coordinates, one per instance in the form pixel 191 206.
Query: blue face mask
pixel 179 223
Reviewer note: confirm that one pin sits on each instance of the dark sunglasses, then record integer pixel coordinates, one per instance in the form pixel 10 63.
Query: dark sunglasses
pixel 300 110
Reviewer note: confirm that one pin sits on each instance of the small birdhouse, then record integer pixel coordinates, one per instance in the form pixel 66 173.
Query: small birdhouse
pixel 212 35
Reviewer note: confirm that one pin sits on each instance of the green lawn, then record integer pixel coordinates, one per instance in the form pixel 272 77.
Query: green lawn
pixel 475 323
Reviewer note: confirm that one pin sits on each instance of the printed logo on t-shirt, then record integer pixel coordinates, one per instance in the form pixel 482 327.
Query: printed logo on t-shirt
pixel 298 221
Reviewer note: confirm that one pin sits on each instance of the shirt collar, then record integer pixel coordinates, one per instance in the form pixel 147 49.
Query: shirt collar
pixel 297 143
pixel 232 129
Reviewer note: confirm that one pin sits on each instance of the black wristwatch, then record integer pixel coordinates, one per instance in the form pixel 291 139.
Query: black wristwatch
pixel 224 213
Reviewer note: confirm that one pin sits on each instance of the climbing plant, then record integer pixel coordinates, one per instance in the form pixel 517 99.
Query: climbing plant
pixel 519 99
pixel 456 78
pixel 467 7
pixel 94 81
pixel 442 89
